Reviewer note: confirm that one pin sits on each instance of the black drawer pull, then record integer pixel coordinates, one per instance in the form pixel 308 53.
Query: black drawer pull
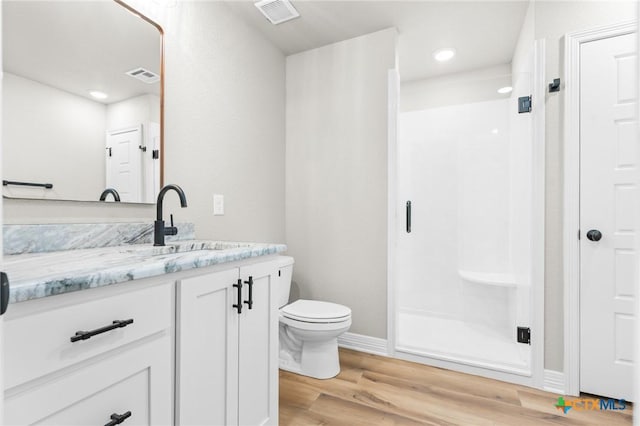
pixel 408 217
pixel 239 305
pixel 84 335
pixel 116 419
pixel 250 301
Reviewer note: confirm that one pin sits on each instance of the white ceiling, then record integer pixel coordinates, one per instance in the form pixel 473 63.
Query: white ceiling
pixel 79 46
pixel 484 33
pixel 73 45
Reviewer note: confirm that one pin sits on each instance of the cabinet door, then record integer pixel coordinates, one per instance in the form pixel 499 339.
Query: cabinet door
pixel 207 350
pixel 136 380
pixel 258 348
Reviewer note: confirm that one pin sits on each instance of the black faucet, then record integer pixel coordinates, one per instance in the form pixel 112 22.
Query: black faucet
pixel 116 196
pixel 159 230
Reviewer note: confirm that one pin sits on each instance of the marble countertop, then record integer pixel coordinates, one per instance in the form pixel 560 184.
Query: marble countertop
pixel 37 275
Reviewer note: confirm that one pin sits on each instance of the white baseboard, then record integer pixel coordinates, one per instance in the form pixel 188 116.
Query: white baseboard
pixel 554 381
pixel 362 343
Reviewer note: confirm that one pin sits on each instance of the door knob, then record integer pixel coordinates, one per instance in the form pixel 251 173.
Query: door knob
pixel 594 235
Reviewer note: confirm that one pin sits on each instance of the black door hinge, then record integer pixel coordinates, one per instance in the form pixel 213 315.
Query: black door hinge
pixel 524 104
pixel 524 335
pixel 155 154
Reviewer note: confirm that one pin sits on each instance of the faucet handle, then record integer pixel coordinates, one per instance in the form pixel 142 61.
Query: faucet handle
pixel 170 230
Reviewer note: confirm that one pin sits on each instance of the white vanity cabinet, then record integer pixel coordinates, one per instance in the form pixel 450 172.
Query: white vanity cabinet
pixel 227 356
pixel 51 380
pixel 190 348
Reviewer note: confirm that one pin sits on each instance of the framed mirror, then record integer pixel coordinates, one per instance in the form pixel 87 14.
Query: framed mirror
pixel 82 102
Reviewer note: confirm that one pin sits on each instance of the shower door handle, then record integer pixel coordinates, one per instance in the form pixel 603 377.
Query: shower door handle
pixel 408 217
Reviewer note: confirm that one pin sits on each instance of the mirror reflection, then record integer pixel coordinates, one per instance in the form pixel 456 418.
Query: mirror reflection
pixel 81 102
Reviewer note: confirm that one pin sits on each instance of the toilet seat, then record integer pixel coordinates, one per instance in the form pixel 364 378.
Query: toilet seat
pixel 316 327
pixel 314 311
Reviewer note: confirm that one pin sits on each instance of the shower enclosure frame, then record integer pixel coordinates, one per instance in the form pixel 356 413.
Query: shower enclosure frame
pixel 539 378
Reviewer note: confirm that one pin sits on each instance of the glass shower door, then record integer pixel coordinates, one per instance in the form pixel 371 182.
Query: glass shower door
pixel 463 290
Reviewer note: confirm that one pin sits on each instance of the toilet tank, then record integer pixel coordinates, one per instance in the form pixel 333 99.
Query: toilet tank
pixel 285 272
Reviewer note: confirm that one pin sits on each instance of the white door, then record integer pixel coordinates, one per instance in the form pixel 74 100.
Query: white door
pixel 124 163
pixel 608 194
pixel 207 357
pixel 258 347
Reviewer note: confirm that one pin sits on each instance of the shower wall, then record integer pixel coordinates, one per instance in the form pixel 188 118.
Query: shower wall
pixel 455 170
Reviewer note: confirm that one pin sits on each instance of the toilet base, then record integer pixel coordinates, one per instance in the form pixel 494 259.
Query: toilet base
pixel 312 353
pixel 319 360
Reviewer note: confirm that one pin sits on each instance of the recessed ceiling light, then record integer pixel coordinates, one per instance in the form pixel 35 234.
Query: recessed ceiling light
pixel 506 89
pixel 495 131
pixel 444 54
pixel 98 95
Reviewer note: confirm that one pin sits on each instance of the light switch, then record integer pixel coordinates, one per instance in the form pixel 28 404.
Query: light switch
pixel 218 204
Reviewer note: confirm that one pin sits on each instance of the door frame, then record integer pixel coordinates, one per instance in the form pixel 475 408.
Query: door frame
pixel 571 220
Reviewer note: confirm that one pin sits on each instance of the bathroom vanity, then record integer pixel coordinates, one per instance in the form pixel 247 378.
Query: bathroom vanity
pixel 180 334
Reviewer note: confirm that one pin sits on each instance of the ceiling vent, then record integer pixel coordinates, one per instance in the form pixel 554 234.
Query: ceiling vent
pixel 144 75
pixel 277 11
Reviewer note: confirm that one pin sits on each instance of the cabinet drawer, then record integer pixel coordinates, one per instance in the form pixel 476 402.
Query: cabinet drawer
pixel 135 379
pixel 39 343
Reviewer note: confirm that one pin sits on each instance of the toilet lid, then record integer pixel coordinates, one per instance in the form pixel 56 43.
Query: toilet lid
pixel 316 311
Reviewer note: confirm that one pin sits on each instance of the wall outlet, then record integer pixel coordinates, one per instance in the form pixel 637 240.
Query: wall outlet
pixel 218 204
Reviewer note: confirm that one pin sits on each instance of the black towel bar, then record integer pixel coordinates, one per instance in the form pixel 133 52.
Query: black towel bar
pixel 43 185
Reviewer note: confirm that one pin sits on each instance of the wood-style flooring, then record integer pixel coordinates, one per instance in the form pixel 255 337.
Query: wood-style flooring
pixel 374 390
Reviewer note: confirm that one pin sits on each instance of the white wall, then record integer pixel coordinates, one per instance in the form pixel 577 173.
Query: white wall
pixel 224 129
pixel 553 19
pixel 225 103
pixel 132 112
pixel 525 41
pixel 455 89
pixel 336 174
pixel 45 131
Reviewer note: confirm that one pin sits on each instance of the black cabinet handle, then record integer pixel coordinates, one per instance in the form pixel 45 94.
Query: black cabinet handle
pixel 408 217
pixel 250 301
pixel 84 335
pixel 239 305
pixel 116 419
pixel 4 292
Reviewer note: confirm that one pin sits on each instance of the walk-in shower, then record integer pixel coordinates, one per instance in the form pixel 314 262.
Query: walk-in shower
pixel 463 269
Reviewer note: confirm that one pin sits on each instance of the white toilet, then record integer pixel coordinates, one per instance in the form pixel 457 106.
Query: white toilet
pixel 309 330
